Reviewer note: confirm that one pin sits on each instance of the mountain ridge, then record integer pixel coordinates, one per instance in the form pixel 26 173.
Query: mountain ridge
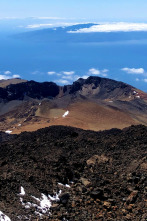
pixel 94 103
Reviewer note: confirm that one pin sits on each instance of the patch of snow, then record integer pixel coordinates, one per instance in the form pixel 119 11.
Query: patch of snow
pixel 39 104
pixel 65 114
pixel 22 191
pixel 129 96
pixel 134 92
pixel 3 217
pixel 8 131
pixel 60 184
pixel 19 125
pixel 111 101
pixel 66 185
pixel 28 205
pixel 137 96
pixel 56 197
pixel 43 204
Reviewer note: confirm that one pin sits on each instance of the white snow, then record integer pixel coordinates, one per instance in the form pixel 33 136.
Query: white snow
pixel 22 191
pixel 39 104
pixel 65 114
pixel 3 217
pixel 43 204
pixel 8 131
pixel 56 197
pixel 111 101
pixel 66 185
pixel 134 92
pixel 19 125
pixel 138 96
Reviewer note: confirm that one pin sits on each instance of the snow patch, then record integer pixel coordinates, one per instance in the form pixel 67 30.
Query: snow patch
pixel 39 104
pixel 19 125
pixel 137 96
pixel 42 205
pixel 22 191
pixel 3 217
pixel 66 185
pixel 65 114
pixel 8 131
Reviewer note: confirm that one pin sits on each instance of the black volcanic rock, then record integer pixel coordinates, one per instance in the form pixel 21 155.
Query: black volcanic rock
pixel 42 160
pixel 30 88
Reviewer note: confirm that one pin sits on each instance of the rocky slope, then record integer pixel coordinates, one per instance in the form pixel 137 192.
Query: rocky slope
pixel 95 103
pixel 64 173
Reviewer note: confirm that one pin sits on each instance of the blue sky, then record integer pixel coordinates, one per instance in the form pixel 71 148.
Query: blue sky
pixel 110 10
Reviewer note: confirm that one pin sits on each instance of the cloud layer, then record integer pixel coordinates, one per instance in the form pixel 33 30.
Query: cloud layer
pixel 114 27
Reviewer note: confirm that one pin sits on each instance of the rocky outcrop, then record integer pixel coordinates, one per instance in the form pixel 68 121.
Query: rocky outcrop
pixel 31 89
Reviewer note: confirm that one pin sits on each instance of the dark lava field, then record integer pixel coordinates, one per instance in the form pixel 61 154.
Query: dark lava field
pixel 94 175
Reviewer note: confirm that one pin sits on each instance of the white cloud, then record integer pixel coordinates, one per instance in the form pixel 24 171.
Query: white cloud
pixel 68 72
pixel 137 79
pixel 71 77
pixel 38 26
pixel 134 70
pixel 16 76
pixel 105 70
pixel 51 72
pixel 7 72
pixel 51 25
pixel 4 77
pixel 68 77
pixel 85 76
pixel 114 27
pixel 61 81
pixel 104 75
pixel 145 80
pixel 35 72
pixel 94 71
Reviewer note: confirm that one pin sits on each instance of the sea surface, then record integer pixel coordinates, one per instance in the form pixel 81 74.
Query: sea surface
pixel 31 55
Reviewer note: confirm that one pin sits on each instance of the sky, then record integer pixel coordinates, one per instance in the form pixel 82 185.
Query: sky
pixel 110 10
pixel 121 53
